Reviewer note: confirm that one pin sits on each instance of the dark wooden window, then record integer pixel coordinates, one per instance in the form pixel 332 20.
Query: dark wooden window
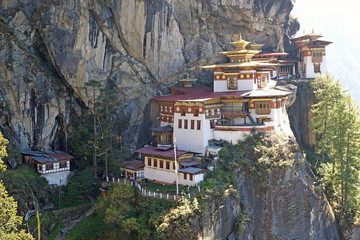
pixel 185 176
pixel 63 165
pixel 155 162
pixel 192 124
pixel 191 177
pixel 212 124
pixel 317 67
pixel 40 167
pixel 198 124
pixel 262 108
pixel 167 165
pixel 183 111
pixel 232 83
pixel 149 162
pixel 174 165
pixel 49 167
pixel 161 163
pixel 185 124
pixel 180 123
pixel 196 112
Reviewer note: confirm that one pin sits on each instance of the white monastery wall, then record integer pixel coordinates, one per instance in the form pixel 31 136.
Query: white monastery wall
pixel 196 179
pixel 220 86
pixel 309 71
pixel 159 175
pixel 323 66
pixel 192 140
pixel 230 136
pixel 57 178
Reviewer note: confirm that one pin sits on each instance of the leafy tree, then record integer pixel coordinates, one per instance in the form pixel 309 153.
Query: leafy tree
pixel 177 224
pixel 78 187
pixel 336 124
pixel 96 131
pixel 9 221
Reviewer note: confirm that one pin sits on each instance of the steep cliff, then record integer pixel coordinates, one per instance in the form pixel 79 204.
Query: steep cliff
pixel 50 49
pixel 284 202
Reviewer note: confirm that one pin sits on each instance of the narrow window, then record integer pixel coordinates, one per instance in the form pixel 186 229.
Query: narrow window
pixel 161 163
pixel 167 165
pixel 185 124
pixel 185 176
pixel 149 162
pixel 173 165
pixel 192 124
pixel 191 177
pixel 183 111
pixel 180 123
pixel 155 163
pixel 196 112
pixel 198 124
pixel 212 124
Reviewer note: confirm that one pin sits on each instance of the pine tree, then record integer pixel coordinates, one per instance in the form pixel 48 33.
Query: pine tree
pixel 9 221
pixel 336 124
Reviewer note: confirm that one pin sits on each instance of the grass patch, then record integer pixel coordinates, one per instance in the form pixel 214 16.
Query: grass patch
pixel 53 234
pixel 92 227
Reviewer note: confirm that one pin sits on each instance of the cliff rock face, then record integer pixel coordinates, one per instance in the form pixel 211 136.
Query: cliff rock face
pixel 50 49
pixel 288 206
pixel 300 115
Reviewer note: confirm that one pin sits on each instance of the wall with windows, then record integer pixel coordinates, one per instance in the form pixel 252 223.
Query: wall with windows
pixel 159 169
pixel 190 179
pixel 192 133
pixel 53 167
pixel 242 85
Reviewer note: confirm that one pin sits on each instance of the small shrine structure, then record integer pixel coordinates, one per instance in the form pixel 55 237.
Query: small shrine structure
pixel 312 54
pixel 52 165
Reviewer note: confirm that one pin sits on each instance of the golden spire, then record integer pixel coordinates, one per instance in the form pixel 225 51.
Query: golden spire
pixel 240 38
pixel 312 31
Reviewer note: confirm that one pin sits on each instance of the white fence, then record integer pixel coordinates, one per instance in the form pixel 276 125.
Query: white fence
pixel 148 193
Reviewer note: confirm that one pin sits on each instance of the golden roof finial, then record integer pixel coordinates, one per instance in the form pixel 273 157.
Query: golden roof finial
pixel 240 38
pixel 312 31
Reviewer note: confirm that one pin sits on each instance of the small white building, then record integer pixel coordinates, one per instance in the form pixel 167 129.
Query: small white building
pixel 160 166
pixel 52 165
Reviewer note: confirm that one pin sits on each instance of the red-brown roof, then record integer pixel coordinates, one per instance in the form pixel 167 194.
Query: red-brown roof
pixel 198 94
pixel 133 165
pixel 60 156
pixel 150 150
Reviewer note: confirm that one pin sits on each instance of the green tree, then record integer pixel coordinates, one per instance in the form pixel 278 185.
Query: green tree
pixel 177 224
pixel 9 221
pixel 336 124
pixel 94 85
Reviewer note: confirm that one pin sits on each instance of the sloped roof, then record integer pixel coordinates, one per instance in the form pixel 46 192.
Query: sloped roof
pixel 133 165
pixel 48 156
pixel 192 170
pixel 150 150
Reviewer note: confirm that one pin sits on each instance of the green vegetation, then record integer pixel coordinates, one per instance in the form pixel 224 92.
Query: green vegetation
pixel 9 221
pixel 177 223
pixel 123 212
pixel 336 123
pixel 164 188
pixel 92 227
pixel 97 135
pixel 26 184
pixel 77 188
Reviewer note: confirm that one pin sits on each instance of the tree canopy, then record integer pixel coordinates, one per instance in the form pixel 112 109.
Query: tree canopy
pixel 336 124
pixel 9 221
